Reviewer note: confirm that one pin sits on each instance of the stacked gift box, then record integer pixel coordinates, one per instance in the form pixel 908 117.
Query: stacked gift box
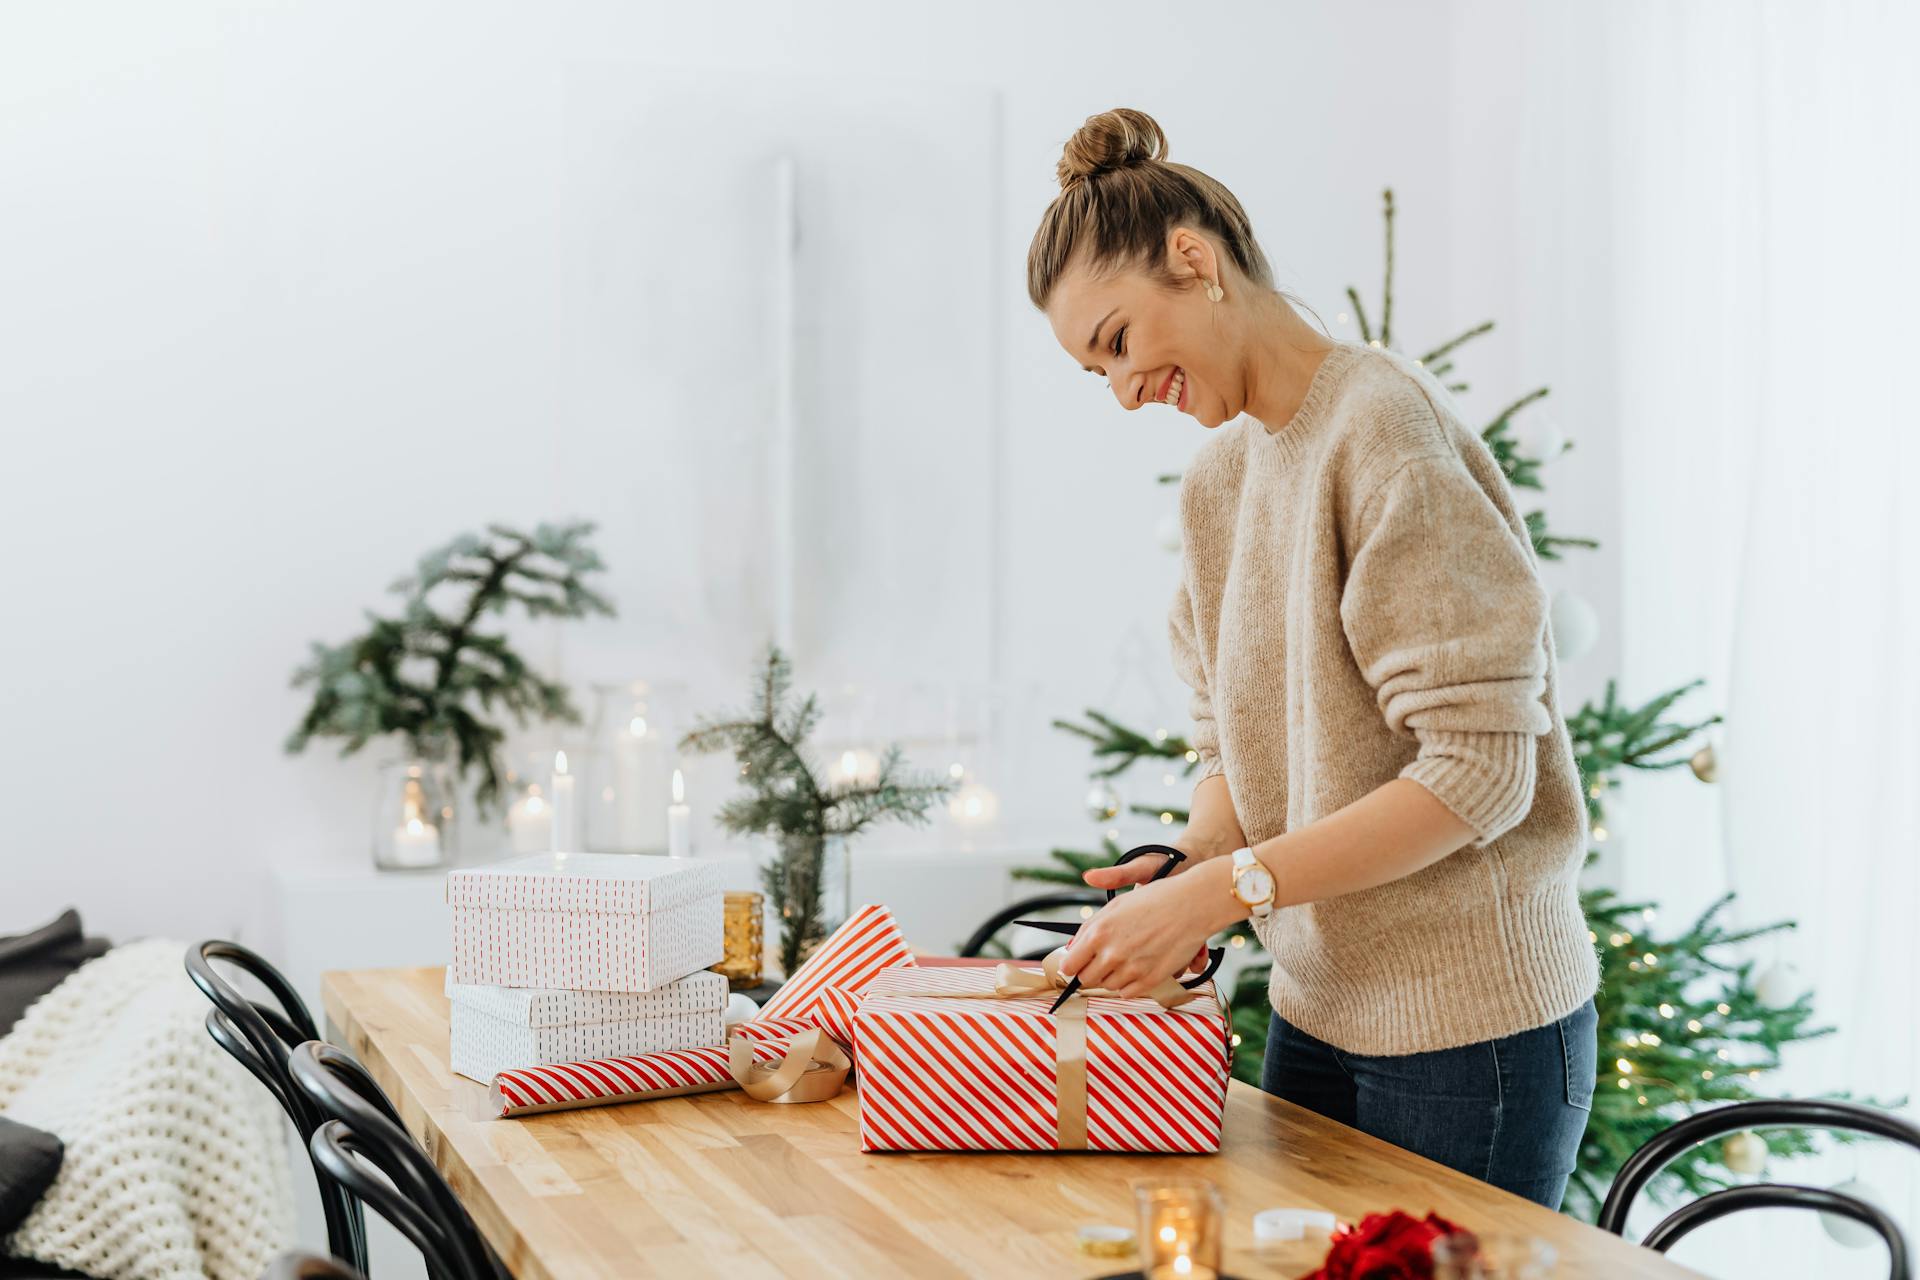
pixel 564 957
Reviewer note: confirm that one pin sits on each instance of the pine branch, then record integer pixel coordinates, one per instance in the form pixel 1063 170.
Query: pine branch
pixel 1124 747
pixel 1451 344
pixel 1359 314
pixel 362 690
pixel 1386 290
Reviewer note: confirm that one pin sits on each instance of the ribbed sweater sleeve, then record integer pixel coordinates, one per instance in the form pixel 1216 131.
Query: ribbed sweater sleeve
pixel 1446 620
pixel 1188 666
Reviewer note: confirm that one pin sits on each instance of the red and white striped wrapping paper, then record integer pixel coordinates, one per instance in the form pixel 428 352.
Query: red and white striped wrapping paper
pixel 603 1081
pixel 943 1070
pixel 823 992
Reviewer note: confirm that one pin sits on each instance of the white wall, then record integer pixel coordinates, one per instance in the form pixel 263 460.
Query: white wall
pixel 292 292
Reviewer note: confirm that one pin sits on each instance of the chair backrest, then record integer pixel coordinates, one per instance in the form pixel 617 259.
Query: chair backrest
pixel 309 1266
pixel 362 1134
pixel 1777 1195
pixel 259 1037
pixel 1794 1113
pixel 1026 907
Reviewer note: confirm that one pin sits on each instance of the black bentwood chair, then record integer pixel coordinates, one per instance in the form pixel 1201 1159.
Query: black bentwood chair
pixel 1795 1113
pixel 368 1152
pixel 259 1037
pixel 309 1266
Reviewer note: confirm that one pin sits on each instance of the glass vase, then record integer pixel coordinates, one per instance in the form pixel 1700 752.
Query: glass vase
pixel 628 772
pixel 413 816
pixel 810 882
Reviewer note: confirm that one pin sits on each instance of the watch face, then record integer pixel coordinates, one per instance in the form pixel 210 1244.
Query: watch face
pixel 1255 884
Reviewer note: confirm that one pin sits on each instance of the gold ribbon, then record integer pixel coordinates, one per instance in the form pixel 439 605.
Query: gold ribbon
pixel 813 1070
pixel 1011 982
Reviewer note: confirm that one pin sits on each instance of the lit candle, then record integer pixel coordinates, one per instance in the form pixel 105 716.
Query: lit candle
pixel 416 843
pixel 530 822
pixel 857 766
pixel 973 805
pixel 639 772
pixel 679 820
pixel 564 836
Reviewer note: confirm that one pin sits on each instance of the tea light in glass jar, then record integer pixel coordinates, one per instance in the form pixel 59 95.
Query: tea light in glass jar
pixel 1179 1228
pixel 744 939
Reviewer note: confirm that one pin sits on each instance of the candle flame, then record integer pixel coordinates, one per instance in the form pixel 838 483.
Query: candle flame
pixel 559 762
pixel 535 804
pixel 637 726
pixel 1167 1233
pixel 679 788
pixel 849 763
pixel 415 827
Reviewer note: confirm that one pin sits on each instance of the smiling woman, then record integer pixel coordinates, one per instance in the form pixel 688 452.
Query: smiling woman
pixel 1386 786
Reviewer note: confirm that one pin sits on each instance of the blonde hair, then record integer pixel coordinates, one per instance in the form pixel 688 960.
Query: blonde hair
pixel 1120 196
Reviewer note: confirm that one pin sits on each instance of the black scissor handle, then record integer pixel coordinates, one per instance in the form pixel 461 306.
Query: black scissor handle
pixel 1174 858
pixel 1214 956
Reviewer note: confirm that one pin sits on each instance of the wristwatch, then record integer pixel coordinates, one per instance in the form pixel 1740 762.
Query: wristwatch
pixel 1252 883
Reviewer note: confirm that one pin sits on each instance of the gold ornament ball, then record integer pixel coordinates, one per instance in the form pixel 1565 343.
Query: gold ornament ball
pixel 1705 764
pixel 1744 1152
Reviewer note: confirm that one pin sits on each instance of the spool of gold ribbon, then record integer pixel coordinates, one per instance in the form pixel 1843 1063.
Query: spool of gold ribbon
pixel 814 1069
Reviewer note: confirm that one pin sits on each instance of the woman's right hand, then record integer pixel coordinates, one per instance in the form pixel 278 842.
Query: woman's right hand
pixel 1138 871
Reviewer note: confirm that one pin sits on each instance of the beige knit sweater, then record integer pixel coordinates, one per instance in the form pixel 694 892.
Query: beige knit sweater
pixel 1359 602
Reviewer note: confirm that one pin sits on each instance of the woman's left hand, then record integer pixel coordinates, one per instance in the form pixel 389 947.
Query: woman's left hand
pixel 1144 936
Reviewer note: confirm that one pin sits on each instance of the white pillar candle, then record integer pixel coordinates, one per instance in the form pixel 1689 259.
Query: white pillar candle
pixel 565 835
pixel 416 843
pixel 639 790
pixel 530 822
pixel 679 820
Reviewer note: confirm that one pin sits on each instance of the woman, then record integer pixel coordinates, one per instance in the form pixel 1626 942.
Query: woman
pixel 1386 784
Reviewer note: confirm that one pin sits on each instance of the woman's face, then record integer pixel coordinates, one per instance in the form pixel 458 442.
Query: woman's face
pixel 1154 344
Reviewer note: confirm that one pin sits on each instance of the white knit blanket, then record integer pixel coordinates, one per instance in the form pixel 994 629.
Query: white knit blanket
pixel 176 1160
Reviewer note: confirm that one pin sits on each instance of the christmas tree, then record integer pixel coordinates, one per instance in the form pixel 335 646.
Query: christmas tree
pixel 1683 1020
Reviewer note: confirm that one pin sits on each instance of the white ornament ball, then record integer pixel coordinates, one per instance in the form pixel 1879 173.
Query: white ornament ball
pixel 1542 438
pixel 1744 1152
pixel 1168 533
pixel 1576 626
pixel 1845 1231
pixel 740 1008
pixel 1103 801
pixel 1775 987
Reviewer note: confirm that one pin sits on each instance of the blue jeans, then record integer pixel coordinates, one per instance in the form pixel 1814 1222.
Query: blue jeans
pixel 1509 1112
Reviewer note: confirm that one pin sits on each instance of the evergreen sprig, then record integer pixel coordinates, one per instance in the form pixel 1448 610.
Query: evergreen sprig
pixel 1122 747
pixel 1609 737
pixel 786 797
pixel 432 675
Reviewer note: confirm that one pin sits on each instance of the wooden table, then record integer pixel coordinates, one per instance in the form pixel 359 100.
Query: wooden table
pixel 718 1184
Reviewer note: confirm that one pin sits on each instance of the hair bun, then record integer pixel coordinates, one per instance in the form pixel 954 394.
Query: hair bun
pixel 1119 139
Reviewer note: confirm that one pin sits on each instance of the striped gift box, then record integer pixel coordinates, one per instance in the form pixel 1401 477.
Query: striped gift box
pixel 824 992
pixel 946 1066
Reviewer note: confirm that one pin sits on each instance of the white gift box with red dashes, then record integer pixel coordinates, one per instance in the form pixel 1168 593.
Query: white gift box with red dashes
pixel 499 1029
pixel 585 921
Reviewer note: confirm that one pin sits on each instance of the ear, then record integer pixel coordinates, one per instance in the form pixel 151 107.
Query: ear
pixel 1190 256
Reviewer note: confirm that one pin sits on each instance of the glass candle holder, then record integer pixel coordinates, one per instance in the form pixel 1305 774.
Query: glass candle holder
pixel 1180 1226
pixel 1466 1256
pixel 745 940
pixel 413 816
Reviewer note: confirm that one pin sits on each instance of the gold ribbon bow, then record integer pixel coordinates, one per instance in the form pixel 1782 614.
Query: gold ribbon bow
pixel 813 1070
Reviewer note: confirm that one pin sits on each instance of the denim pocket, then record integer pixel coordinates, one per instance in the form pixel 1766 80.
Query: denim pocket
pixel 1580 1054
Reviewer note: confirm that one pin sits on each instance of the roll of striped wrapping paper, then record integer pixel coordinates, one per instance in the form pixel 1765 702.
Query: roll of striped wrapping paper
pixel 824 992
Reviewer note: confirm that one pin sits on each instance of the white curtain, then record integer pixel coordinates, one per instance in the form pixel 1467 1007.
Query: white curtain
pixel 1766 272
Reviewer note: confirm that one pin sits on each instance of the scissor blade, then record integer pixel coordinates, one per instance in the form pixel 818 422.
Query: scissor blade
pixel 1051 926
pixel 1065 995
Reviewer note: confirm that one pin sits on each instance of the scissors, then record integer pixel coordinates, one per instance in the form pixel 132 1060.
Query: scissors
pixel 1173 859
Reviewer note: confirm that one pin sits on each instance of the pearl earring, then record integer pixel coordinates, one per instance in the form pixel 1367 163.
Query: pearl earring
pixel 1213 292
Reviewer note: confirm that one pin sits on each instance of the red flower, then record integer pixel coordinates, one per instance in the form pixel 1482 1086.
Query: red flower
pixel 1385 1246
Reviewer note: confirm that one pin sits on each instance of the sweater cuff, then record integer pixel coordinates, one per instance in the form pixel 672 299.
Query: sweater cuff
pixel 1486 779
